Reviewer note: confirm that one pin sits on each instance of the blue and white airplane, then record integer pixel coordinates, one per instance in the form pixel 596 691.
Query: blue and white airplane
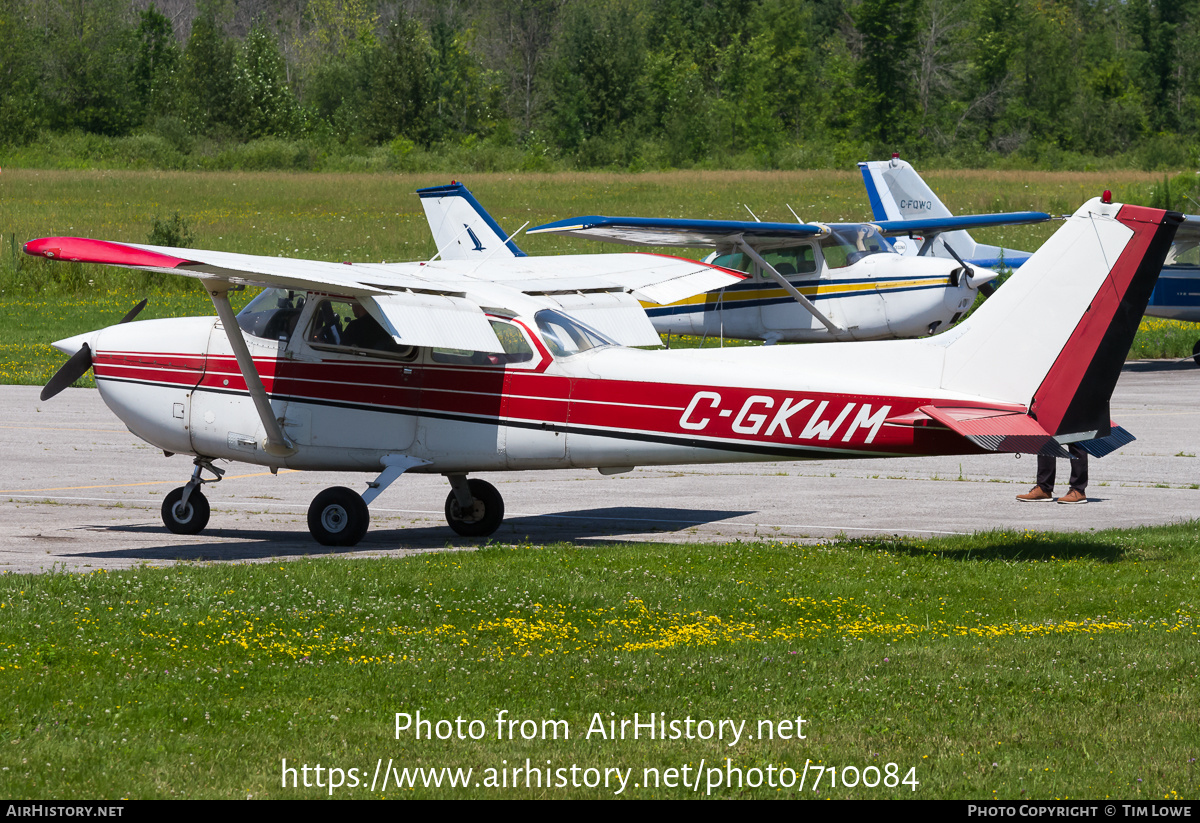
pixel 898 193
pixel 807 282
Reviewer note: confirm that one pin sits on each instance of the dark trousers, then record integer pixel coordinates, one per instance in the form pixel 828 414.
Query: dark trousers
pixel 1079 470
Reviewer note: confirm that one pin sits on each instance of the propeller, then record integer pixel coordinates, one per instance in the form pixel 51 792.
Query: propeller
pixel 80 362
pixel 985 288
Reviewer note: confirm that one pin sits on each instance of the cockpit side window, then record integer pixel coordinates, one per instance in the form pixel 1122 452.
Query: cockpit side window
pixel 342 324
pixel 272 315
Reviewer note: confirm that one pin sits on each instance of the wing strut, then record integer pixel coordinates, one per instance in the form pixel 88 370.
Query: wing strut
pixel 277 444
pixel 834 328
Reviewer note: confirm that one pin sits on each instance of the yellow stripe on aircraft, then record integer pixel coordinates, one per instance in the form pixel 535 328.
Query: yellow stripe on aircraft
pixel 822 290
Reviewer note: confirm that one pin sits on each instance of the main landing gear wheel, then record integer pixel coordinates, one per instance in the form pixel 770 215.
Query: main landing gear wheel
pixel 185 519
pixel 485 513
pixel 338 517
pixel 1196 352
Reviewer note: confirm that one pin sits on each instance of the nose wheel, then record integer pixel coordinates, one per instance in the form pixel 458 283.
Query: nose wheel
pixel 338 517
pixel 482 515
pixel 185 509
pixel 188 517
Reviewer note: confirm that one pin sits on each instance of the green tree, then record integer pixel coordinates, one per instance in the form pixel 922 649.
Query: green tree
pixel 88 63
pixel 1157 25
pixel 209 82
pixel 20 112
pixel 791 65
pixel 885 71
pixel 466 97
pixel 400 85
pixel 597 71
pixel 156 66
pixel 266 103
pixel 744 109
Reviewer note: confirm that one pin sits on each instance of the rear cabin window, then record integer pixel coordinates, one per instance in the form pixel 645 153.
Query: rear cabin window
pixel 797 260
pixel 789 261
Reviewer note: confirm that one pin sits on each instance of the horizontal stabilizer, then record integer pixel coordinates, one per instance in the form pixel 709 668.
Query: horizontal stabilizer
pixel 1100 446
pixel 997 430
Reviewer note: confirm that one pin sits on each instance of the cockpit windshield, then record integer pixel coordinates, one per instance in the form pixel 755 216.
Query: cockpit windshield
pixel 273 314
pixel 565 336
pixel 849 244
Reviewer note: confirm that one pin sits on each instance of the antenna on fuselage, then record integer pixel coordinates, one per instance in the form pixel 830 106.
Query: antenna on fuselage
pixel 752 214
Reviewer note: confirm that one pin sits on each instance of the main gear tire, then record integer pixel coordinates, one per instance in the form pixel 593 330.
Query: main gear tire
pixel 485 514
pixel 338 517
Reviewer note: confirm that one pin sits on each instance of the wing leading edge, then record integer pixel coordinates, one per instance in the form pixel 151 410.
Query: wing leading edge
pixel 652 231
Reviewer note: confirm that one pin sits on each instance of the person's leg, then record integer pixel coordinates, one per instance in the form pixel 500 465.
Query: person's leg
pixel 1044 490
pixel 1079 477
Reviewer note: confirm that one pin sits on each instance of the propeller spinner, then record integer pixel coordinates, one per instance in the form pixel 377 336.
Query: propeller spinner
pixel 79 363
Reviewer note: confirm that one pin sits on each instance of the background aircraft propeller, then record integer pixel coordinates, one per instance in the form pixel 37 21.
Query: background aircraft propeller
pixel 79 363
pixel 986 288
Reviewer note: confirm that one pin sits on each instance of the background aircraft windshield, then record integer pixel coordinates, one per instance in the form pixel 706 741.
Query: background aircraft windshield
pixel 849 244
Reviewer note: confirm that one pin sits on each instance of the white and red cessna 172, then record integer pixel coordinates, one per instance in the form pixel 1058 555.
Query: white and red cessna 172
pixel 460 367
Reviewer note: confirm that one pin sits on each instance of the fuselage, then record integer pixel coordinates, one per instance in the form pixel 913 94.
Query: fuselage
pixel 1176 295
pixel 176 384
pixel 873 297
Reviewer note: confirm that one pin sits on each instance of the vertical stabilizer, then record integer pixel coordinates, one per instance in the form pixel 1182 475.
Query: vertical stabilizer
pixel 461 228
pixel 1099 267
pixel 897 192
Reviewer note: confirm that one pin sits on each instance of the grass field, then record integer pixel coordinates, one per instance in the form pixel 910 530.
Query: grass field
pixel 377 217
pixel 1003 665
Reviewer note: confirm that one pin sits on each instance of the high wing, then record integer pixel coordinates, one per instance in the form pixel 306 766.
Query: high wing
pixel 653 231
pixel 437 304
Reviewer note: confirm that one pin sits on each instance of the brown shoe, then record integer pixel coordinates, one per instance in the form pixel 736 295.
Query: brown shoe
pixel 1036 495
pixel 1073 496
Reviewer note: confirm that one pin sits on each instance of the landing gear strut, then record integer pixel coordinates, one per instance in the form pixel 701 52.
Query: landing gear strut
pixel 474 507
pixel 185 509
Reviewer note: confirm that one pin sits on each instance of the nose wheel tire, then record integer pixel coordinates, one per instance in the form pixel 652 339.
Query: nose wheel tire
pixel 338 517
pixel 185 519
pixel 485 514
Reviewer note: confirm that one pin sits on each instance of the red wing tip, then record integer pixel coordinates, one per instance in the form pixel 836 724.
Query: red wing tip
pixel 84 250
